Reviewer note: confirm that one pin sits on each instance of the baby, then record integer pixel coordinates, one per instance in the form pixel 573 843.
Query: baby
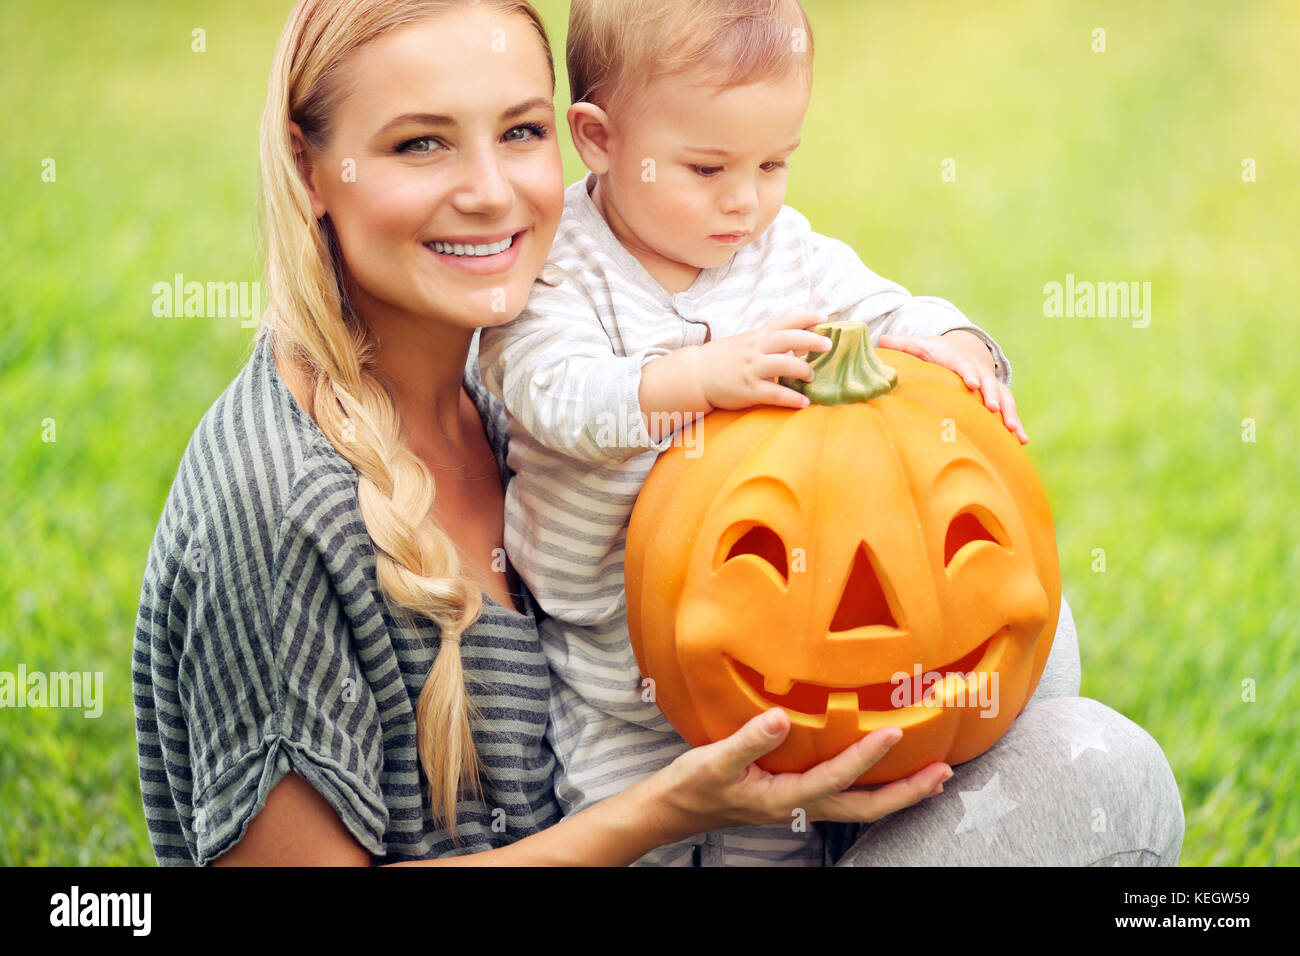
pixel 679 282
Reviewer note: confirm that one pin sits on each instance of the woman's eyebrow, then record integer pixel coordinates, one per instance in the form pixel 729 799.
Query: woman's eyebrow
pixel 439 119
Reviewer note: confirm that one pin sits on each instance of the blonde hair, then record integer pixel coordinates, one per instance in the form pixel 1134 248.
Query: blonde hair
pixel 615 45
pixel 312 323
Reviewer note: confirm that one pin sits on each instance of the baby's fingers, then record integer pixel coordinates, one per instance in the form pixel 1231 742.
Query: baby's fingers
pixel 791 366
pixel 795 340
pixel 990 388
pixel 1010 416
pixel 770 393
pixel 913 346
pixel 793 320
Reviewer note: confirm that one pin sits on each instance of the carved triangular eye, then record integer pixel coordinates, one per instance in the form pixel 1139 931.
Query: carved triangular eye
pixel 968 527
pixel 762 542
pixel 863 603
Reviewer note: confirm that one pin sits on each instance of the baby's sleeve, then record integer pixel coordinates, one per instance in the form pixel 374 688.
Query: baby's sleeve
pixel 844 289
pixel 560 377
pixel 246 668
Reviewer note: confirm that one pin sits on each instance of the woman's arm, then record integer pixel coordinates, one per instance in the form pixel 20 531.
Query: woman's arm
pixel 708 787
pixel 296 827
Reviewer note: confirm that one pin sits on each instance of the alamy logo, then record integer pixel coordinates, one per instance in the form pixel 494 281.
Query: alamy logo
pixel 1104 300
pixel 208 300
pixel 965 689
pixel 685 428
pixel 82 689
pixel 102 909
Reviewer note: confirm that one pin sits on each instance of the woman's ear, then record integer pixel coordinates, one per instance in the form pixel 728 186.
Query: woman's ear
pixel 590 128
pixel 306 169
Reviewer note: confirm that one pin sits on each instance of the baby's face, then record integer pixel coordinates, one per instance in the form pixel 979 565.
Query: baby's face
pixel 697 171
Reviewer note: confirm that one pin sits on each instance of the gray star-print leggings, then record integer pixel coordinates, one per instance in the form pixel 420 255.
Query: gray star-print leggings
pixel 1072 783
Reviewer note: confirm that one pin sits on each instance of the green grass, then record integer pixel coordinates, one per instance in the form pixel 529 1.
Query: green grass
pixel 1115 166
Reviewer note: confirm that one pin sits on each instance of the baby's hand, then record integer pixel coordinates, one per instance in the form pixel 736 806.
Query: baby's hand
pixel 970 358
pixel 739 370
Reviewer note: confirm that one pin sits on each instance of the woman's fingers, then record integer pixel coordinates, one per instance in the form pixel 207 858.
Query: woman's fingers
pixel 872 805
pixel 759 735
pixel 832 776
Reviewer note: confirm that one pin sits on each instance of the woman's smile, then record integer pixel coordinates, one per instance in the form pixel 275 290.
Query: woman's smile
pixel 479 255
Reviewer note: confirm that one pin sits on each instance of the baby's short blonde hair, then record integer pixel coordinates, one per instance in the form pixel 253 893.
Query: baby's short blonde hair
pixel 618 46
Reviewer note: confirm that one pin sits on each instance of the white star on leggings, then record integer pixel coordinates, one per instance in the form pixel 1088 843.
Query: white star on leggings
pixel 985 807
pixel 1086 737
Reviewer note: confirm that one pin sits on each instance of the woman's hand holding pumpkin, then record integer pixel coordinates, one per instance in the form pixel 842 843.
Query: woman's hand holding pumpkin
pixel 965 354
pixel 719 785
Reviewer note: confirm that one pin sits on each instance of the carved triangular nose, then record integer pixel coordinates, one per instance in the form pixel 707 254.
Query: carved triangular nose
pixel 863 602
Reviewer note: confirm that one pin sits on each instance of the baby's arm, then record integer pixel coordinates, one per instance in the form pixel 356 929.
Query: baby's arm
pixel 558 374
pixel 735 371
pixel 929 327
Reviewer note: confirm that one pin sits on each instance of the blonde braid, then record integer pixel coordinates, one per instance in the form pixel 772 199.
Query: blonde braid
pixel 418 567
pixel 417 564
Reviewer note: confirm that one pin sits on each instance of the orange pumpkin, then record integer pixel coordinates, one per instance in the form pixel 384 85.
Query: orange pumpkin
pixel 882 557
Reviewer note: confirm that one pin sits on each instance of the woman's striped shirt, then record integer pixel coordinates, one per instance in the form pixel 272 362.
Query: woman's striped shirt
pixel 263 645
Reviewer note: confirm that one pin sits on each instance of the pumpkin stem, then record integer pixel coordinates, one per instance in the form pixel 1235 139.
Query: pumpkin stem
pixel 850 371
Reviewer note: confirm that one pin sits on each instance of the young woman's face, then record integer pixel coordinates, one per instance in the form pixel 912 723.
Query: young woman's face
pixel 443 178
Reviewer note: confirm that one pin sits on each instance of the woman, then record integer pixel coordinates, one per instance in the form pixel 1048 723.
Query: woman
pixel 326 609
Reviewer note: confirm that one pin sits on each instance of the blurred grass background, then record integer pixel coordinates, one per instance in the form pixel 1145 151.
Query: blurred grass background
pixel 1117 166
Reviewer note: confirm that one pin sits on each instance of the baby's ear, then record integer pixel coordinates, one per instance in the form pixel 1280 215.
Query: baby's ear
pixel 590 127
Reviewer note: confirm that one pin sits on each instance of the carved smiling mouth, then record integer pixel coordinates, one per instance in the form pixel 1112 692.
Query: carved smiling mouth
pixel 815 699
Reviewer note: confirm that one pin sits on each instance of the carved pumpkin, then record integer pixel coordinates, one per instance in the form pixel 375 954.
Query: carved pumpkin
pixel 814 558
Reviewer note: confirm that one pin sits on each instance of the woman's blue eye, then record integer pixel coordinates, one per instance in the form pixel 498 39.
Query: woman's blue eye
pixel 536 129
pixel 707 171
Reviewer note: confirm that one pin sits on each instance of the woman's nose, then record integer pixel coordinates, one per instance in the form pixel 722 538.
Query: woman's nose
pixel 485 188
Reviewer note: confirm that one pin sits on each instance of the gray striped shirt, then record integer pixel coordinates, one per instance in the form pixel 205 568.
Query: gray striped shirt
pixel 263 645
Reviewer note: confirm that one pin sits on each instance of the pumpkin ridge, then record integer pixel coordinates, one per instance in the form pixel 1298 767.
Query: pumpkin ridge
pixel 914 398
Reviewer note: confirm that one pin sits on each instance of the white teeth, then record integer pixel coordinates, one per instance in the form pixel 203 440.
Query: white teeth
pixel 473 249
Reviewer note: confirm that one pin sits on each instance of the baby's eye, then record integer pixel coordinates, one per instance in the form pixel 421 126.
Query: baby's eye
pixel 420 146
pixel 774 164
pixel 707 171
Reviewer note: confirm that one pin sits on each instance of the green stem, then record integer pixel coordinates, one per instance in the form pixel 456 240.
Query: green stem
pixel 849 372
